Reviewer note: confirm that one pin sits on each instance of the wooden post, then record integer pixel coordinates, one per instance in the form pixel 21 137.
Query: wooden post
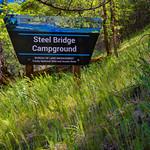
pixel 76 70
pixel 29 70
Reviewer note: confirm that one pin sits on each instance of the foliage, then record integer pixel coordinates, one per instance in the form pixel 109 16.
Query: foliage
pixel 52 112
pixel 110 109
pixel 144 61
pixel 11 61
pixel 134 16
pixel 125 12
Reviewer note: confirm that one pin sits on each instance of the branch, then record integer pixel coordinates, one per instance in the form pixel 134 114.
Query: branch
pixel 74 9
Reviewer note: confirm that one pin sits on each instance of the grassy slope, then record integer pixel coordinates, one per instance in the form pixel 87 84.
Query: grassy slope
pixel 53 112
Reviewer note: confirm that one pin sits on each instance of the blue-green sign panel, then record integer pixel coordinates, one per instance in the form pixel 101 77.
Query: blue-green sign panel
pixel 53 40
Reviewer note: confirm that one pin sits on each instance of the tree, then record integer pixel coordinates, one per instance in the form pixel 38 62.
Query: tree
pixel 1 62
pixel 113 21
pixel 8 63
pixel 88 5
pixel 105 29
pixel 3 69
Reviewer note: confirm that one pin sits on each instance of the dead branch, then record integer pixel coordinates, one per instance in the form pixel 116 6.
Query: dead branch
pixel 47 3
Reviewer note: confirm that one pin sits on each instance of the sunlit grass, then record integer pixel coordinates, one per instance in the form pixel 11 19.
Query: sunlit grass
pixel 53 111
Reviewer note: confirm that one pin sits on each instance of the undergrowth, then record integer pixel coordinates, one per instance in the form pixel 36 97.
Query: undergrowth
pixel 109 110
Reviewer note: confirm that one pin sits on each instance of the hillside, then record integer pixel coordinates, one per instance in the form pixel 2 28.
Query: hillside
pixel 109 110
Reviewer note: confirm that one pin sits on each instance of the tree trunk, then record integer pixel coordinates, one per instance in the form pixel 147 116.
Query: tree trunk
pixel 4 74
pixel 106 36
pixel 1 63
pixel 113 27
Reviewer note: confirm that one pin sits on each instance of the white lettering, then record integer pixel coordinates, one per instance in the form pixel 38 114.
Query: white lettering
pixel 37 39
pixel 64 40
pixel 36 48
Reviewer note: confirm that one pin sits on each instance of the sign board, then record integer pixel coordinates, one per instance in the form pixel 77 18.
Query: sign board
pixel 53 40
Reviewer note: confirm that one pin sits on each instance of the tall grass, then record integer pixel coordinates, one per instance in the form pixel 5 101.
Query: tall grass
pixel 52 112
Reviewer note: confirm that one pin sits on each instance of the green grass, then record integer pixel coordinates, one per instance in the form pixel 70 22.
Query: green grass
pixel 53 112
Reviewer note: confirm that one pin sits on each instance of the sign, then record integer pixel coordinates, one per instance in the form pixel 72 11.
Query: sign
pixel 53 40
